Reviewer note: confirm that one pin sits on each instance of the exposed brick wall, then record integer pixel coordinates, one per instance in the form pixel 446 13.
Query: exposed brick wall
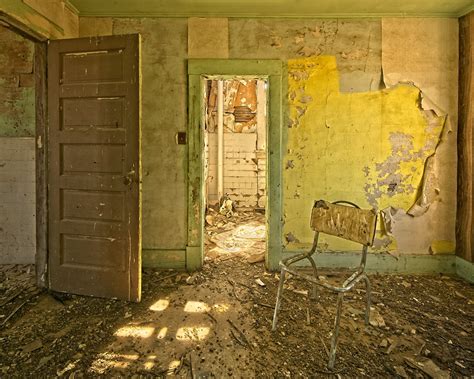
pixel 17 96
pixel 17 200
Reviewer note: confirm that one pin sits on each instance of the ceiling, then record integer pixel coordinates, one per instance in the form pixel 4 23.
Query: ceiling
pixel 274 8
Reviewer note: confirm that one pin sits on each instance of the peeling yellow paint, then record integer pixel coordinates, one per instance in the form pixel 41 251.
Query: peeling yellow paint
pixel 443 247
pixel 369 148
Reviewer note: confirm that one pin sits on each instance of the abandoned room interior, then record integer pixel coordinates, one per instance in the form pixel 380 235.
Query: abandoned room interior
pixel 246 189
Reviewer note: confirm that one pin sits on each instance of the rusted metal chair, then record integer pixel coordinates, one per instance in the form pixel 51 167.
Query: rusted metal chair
pixel 345 220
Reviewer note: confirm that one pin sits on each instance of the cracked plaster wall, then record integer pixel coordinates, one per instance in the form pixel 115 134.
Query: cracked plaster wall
pixel 358 47
pixel 369 147
pixel 420 51
pixel 356 44
pixel 425 52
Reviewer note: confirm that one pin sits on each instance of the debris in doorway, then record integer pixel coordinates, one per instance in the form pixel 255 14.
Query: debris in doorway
pixel 210 220
pixel 256 258
pixel 243 233
pixel 227 207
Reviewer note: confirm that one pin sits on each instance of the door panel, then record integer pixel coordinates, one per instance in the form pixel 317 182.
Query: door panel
pixel 94 166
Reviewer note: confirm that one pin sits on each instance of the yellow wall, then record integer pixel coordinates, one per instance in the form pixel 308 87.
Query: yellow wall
pixel 369 148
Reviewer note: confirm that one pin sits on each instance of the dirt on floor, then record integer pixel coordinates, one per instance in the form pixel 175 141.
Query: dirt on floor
pixel 217 323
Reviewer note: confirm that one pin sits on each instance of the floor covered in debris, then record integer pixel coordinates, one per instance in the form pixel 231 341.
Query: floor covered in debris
pixel 217 323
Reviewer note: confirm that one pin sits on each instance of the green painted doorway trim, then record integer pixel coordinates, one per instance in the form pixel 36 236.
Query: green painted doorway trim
pixel 198 70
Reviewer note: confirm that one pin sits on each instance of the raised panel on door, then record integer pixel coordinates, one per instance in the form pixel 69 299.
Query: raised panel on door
pixel 94 166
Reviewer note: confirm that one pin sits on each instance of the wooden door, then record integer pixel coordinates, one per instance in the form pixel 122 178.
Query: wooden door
pixel 94 166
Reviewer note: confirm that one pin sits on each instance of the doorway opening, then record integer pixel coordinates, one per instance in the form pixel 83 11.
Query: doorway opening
pixel 235 168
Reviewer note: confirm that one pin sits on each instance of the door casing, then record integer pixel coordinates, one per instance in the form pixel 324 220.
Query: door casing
pixel 198 71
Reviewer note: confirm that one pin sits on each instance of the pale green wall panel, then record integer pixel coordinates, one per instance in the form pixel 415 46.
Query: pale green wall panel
pixel 164 99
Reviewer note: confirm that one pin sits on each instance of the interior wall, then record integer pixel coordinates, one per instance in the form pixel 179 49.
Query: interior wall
pixel 164 113
pixel 348 55
pixel 392 149
pixel 17 149
pixel 329 132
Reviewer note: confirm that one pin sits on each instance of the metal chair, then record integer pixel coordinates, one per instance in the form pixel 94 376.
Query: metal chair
pixel 342 219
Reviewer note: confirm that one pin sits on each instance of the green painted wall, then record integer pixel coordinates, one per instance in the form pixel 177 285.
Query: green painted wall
pixel 164 113
pixel 356 49
pixel 164 54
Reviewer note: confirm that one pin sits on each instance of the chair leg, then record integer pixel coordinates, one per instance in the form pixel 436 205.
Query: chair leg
pixel 278 299
pixel 367 307
pixel 335 332
pixel 314 294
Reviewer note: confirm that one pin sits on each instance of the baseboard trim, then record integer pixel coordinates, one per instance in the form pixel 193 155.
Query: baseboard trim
pixel 382 263
pixel 387 263
pixel 465 269
pixel 164 259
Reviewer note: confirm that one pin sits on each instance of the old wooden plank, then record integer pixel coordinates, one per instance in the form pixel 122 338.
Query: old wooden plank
pixel 41 164
pixel 464 222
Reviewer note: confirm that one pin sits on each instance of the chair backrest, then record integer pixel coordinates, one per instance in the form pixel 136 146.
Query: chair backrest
pixel 348 222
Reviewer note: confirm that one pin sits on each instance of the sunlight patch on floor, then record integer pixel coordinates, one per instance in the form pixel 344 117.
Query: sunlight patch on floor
pixel 196 307
pixel 135 331
pixel 192 333
pixel 109 360
pixel 160 305
pixel 162 333
pixel 221 308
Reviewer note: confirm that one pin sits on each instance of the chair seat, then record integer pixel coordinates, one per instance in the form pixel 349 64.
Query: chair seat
pixel 347 285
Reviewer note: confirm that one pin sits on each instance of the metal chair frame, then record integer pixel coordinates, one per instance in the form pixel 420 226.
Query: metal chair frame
pixel 348 284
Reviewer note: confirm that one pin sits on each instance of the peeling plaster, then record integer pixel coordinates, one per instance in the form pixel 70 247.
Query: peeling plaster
pixel 372 148
pixel 431 63
pixel 356 44
pixel 396 173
